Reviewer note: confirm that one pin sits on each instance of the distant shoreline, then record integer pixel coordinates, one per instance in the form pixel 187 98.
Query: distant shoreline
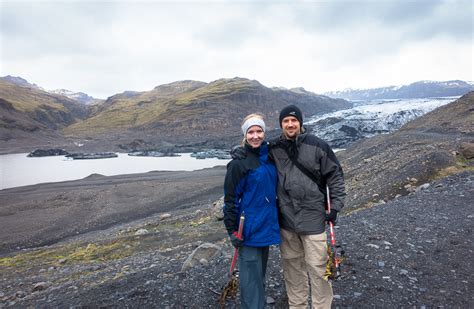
pixel 19 170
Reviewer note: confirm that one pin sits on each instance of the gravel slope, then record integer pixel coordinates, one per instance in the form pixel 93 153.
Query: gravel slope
pixel 413 251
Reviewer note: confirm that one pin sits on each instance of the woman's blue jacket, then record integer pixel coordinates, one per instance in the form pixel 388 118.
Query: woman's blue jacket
pixel 250 187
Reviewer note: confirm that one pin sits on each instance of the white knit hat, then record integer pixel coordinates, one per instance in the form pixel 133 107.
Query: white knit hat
pixel 254 121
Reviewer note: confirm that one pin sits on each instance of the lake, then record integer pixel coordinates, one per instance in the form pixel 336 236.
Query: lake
pixel 19 170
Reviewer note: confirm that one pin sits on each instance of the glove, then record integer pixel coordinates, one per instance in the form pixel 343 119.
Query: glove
pixel 236 240
pixel 238 152
pixel 332 216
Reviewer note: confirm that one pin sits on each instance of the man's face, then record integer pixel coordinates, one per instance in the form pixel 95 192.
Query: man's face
pixel 291 127
pixel 255 136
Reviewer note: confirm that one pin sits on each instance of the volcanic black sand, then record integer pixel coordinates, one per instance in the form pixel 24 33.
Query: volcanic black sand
pixel 45 213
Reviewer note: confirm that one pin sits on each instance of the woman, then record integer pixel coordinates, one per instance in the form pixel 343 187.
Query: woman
pixel 250 187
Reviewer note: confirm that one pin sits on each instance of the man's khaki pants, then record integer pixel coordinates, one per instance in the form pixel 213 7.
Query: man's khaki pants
pixel 304 255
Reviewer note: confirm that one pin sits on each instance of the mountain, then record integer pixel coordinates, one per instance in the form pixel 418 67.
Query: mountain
pixel 29 113
pixel 16 80
pixel 196 110
pixel 77 96
pixel 421 89
pixel 189 112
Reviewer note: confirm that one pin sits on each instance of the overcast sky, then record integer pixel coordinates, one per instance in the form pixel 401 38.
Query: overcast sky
pixel 106 47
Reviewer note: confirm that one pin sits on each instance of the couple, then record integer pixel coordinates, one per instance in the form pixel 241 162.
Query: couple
pixel 297 218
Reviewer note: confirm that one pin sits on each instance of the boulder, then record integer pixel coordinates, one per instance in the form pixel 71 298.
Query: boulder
pixel 467 150
pixel 165 216
pixel 141 232
pixel 206 251
pixel 217 208
pixel 40 286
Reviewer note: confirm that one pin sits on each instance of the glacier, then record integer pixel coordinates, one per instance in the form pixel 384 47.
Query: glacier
pixel 369 118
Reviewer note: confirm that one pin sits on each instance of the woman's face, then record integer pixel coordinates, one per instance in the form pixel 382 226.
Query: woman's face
pixel 255 136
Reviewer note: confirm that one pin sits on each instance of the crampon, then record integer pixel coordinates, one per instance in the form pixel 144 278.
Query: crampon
pixel 333 265
pixel 336 257
pixel 230 289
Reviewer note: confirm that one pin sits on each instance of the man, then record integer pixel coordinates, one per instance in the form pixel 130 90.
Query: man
pixel 301 157
pixel 302 208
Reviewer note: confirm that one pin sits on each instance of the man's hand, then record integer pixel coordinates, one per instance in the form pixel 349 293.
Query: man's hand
pixel 332 217
pixel 238 152
pixel 236 240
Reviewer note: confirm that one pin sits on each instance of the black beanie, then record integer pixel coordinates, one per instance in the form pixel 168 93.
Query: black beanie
pixel 291 110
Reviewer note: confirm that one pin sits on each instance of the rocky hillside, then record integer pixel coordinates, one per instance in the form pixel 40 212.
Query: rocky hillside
pixel 28 113
pixel 198 109
pixel 439 143
pixel 183 112
pixel 421 89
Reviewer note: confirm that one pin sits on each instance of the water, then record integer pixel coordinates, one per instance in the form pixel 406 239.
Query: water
pixel 18 170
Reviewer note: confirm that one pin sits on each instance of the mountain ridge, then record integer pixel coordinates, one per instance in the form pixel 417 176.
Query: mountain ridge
pixel 419 89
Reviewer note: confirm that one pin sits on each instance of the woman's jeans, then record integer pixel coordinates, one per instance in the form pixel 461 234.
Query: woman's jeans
pixel 252 268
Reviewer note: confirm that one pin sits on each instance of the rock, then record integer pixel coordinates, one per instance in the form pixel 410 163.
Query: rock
pixel 217 208
pixel 20 294
pixel 213 153
pixel 467 150
pixel 205 251
pixel 372 246
pixel 270 300
pixel 423 187
pixel 157 154
pixel 47 152
pixel 40 286
pixel 165 216
pixel 141 232
pixel 91 156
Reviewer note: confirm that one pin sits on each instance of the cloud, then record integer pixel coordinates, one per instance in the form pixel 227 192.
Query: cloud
pixel 106 47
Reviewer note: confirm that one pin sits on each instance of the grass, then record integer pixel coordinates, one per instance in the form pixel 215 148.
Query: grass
pixel 28 99
pixel 122 247
pixel 461 164
pixel 69 254
pixel 127 113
